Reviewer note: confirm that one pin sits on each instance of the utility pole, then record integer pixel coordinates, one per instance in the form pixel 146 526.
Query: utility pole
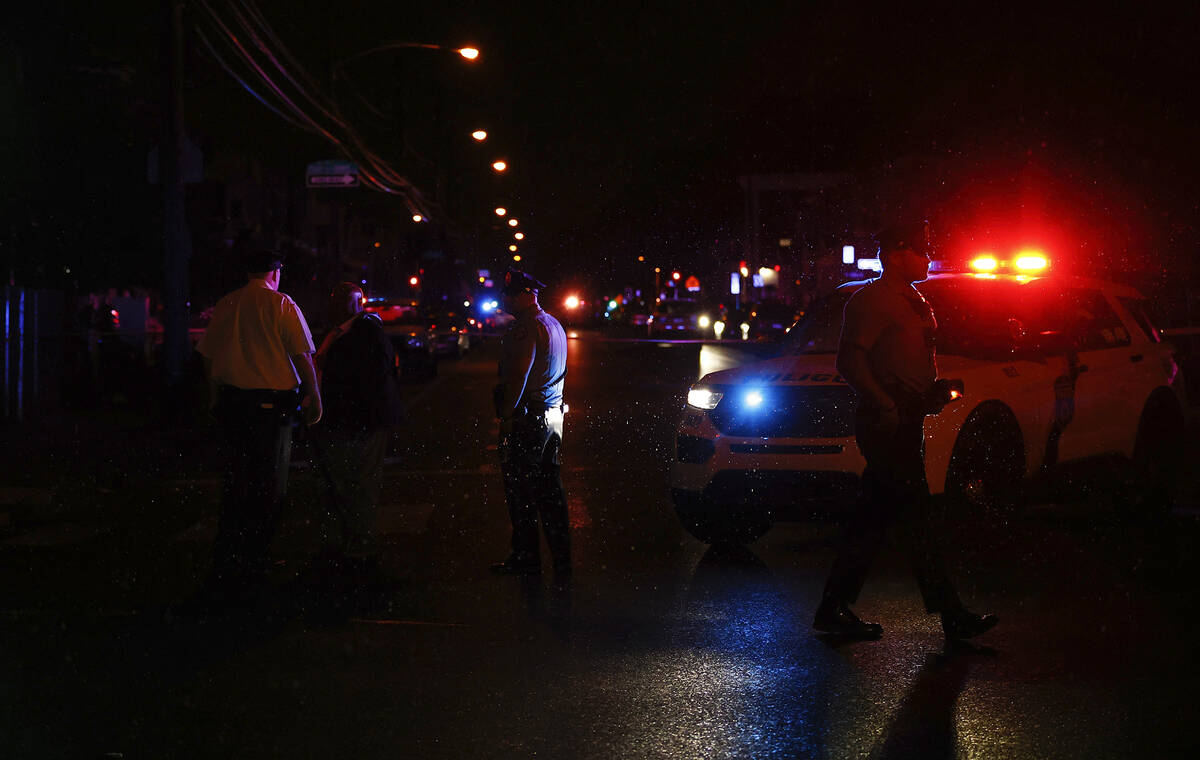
pixel 177 242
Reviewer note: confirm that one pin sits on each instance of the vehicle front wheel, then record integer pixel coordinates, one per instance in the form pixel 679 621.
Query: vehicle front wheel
pixel 986 466
pixel 715 524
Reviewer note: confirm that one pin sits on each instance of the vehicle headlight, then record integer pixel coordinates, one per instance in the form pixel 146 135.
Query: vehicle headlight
pixel 718 328
pixel 703 321
pixel 704 398
pixel 752 398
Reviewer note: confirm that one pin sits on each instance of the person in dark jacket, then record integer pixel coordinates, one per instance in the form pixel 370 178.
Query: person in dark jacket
pixel 360 391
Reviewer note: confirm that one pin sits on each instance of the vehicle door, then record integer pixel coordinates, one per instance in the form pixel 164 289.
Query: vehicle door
pixel 1096 380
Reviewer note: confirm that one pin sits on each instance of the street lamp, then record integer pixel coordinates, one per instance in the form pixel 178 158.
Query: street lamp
pixel 415 218
pixel 499 166
pixel 469 53
pixel 519 236
pixel 513 222
pixel 501 211
pixel 479 135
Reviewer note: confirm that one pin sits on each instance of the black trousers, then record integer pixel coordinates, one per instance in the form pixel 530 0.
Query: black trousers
pixel 533 488
pixel 895 492
pixel 256 442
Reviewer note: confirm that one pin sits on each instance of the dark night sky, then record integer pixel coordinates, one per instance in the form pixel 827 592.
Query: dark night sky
pixel 628 124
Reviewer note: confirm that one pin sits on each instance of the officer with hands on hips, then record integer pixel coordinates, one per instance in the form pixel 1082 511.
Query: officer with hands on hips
pixel 529 405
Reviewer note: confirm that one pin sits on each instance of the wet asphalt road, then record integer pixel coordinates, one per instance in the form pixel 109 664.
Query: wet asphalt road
pixel 659 647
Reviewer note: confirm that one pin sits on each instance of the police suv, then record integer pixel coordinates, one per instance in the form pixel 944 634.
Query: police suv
pixel 1055 371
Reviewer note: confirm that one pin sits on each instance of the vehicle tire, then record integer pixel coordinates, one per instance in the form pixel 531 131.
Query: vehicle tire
pixel 987 464
pixel 1148 490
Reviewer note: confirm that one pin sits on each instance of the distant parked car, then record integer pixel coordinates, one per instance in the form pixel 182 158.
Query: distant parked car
pixel 451 332
pixel 411 336
pixel 683 319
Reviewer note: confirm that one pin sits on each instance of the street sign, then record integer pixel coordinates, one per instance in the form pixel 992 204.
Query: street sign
pixel 331 174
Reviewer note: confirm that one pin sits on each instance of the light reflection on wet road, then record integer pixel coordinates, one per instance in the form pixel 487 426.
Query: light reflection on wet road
pixel 659 647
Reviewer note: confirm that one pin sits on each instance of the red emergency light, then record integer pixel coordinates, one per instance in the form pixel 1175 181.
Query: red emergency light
pixel 1024 262
pixel 985 263
pixel 1031 261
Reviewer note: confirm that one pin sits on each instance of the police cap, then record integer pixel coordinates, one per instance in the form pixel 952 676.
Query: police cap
pixel 908 237
pixel 516 281
pixel 262 260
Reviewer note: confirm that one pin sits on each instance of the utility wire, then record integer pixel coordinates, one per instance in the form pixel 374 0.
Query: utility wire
pixel 229 70
pixel 375 172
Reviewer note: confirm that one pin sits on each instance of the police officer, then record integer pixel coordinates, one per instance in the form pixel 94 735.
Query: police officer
pixel 887 356
pixel 529 405
pixel 257 355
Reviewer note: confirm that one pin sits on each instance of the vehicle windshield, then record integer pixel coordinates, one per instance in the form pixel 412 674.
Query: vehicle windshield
pixel 820 329
pixel 976 318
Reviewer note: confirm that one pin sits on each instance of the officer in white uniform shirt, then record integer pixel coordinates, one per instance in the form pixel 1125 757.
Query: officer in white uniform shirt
pixel 258 357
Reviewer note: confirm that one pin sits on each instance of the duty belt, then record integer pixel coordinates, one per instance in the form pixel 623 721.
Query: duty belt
pixel 263 398
pixel 546 412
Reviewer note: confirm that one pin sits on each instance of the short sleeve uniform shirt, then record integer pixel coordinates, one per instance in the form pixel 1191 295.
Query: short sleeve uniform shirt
pixel 896 327
pixel 540 336
pixel 252 336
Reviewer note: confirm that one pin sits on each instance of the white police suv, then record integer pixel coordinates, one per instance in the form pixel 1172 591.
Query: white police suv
pixel 1056 370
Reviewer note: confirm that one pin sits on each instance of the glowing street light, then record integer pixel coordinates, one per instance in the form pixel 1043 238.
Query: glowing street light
pixel 519 236
pixel 501 211
pixel 499 166
pixel 479 135
pixel 413 281
pixel 513 222
pixel 516 257
pixel 512 248
pixel 416 218
pixel 469 53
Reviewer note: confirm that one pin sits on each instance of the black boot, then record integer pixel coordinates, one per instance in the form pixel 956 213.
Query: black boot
pixel 837 618
pixel 961 623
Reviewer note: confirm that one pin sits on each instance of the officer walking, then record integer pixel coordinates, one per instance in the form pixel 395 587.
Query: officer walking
pixel 887 356
pixel 361 394
pixel 529 404
pixel 257 355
